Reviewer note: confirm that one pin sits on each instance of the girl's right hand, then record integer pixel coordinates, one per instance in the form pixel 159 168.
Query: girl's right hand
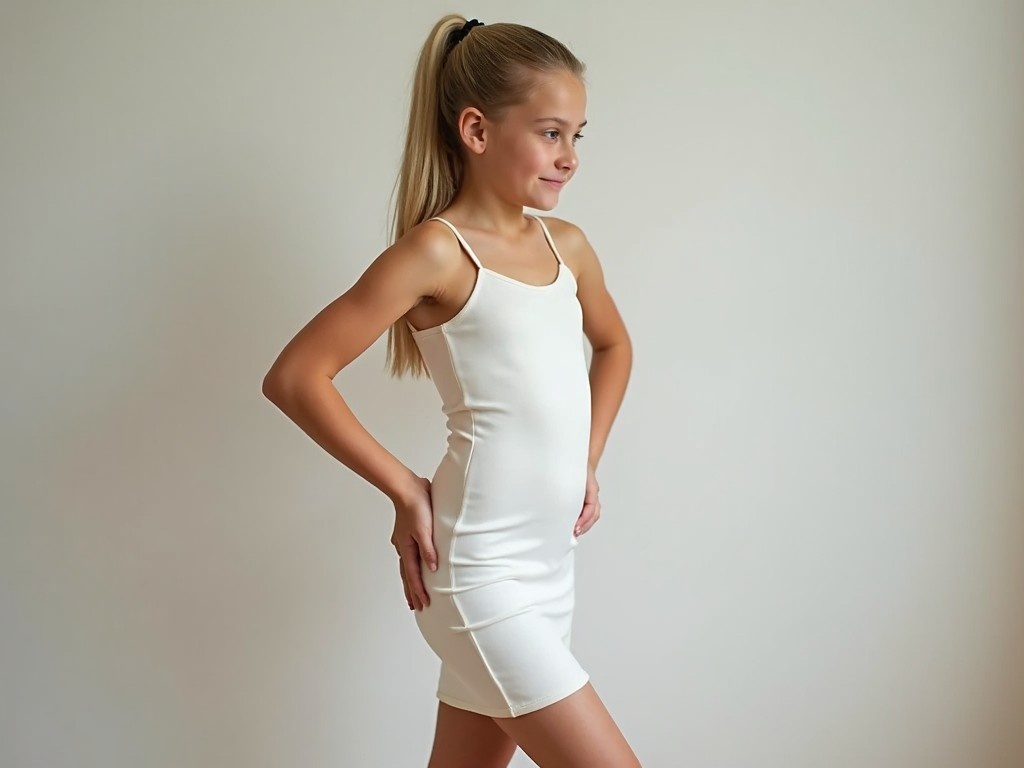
pixel 413 539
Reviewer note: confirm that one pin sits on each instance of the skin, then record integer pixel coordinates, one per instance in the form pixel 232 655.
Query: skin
pixel 426 278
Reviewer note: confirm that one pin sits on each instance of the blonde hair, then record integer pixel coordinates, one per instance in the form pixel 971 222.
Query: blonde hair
pixel 492 68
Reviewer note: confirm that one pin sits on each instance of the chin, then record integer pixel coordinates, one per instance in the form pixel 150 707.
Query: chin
pixel 543 205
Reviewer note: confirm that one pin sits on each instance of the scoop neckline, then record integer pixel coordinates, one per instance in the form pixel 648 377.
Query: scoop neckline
pixel 545 286
pixel 468 305
pixel 500 275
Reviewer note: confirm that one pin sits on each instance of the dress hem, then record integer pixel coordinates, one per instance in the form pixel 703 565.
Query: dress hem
pixel 518 709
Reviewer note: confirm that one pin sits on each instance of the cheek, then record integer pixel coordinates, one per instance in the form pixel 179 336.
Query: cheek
pixel 532 154
pixel 525 160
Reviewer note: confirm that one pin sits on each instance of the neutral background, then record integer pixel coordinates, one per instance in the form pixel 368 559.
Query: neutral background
pixel 812 548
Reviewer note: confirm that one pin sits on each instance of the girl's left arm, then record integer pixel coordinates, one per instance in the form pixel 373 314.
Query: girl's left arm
pixel 612 358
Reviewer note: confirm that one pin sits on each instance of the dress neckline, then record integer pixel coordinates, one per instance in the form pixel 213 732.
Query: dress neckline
pixel 545 286
pixel 500 275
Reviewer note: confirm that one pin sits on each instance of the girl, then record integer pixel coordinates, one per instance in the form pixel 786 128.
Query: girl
pixel 477 296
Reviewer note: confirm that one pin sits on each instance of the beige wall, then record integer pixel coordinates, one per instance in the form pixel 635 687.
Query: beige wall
pixel 810 215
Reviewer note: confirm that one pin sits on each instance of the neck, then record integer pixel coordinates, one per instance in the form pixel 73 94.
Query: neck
pixel 480 207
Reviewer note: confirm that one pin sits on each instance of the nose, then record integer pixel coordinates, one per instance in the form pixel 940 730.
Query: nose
pixel 569 160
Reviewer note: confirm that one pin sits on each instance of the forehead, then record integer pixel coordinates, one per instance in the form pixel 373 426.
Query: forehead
pixel 561 95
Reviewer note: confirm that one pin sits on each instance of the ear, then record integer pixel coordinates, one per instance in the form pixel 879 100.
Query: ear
pixel 472 127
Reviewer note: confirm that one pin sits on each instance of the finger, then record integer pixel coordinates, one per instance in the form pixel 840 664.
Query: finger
pixel 593 516
pixel 427 550
pixel 414 598
pixel 411 557
pixel 585 514
pixel 405 585
pixel 587 517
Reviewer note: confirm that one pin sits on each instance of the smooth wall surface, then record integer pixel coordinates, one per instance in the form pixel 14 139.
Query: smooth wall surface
pixel 810 215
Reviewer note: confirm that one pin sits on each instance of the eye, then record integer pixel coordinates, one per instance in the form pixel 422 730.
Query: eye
pixel 575 138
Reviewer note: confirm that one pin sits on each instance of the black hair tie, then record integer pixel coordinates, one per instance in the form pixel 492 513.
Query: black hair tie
pixel 465 30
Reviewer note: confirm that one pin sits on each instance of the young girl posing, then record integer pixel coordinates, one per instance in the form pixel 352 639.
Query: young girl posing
pixel 478 296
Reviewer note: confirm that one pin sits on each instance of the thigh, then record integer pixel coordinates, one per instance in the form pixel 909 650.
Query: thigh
pixel 574 732
pixel 464 739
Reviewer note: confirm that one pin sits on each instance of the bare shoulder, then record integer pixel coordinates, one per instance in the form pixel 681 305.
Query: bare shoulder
pixel 602 322
pixel 563 232
pixel 431 246
pixel 576 250
pixel 426 258
pixel 419 264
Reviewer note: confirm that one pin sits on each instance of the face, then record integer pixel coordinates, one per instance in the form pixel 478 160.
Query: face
pixel 534 147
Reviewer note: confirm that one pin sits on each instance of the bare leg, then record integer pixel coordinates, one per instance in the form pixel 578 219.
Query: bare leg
pixel 575 732
pixel 464 739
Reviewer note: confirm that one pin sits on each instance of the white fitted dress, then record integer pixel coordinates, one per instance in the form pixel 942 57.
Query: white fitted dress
pixel 511 371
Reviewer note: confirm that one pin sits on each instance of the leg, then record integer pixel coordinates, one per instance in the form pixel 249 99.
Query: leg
pixel 466 739
pixel 574 732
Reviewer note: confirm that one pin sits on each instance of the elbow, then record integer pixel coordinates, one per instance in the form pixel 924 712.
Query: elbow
pixel 283 384
pixel 627 347
pixel 276 385
pixel 620 345
pixel 272 388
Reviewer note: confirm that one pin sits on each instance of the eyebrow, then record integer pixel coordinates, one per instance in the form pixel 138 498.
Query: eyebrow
pixel 558 120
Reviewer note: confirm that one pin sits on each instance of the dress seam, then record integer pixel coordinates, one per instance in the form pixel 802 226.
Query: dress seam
pixel 458 518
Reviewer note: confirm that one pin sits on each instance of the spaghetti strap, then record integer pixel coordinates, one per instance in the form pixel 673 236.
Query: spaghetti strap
pixel 548 236
pixel 461 240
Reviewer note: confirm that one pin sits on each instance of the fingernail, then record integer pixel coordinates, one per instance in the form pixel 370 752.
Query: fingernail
pixel 433 566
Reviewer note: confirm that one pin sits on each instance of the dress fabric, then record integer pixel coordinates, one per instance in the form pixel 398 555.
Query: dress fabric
pixel 511 372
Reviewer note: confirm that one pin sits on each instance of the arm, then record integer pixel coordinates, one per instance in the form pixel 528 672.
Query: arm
pixel 301 384
pixel 612 358
pixel 301 380
pixel 610 363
